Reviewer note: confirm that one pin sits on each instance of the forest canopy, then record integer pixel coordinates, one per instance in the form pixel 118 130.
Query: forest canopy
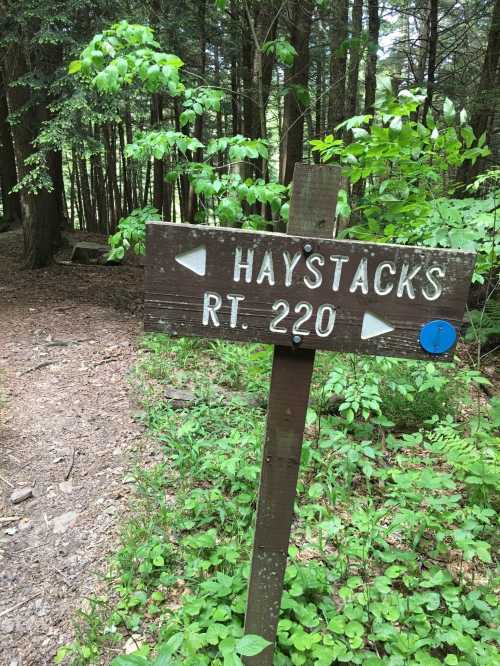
pixel 198 112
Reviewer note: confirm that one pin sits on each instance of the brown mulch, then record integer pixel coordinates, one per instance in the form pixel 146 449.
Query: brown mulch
pixel 67 336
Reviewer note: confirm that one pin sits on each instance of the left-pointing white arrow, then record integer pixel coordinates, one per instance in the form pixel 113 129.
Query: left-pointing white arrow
pixel 373 326
pixel 194 260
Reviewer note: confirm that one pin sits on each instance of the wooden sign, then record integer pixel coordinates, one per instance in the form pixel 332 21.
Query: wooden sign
pixel 297 291
pixel 301 292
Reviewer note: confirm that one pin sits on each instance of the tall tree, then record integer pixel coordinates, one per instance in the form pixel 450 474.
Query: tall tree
pixel 354 57
pixel 11 204
pixel 338 63
pixel 296 81
pixel 41 211
pixel 372 56
pixel 486 98
pixel 433 45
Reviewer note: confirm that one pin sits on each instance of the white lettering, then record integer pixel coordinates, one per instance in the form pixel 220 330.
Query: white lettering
pixel 290 264
pixel 360 278
pixel 338 260
pixel 436 286
pixel 318 278
pixel 211 303
pixel 273 326
pixel 321 330
pixel 235 299
pixel 405 281
pixel 379 289
pixel 308 310
pixel 247 266
pixel 267 269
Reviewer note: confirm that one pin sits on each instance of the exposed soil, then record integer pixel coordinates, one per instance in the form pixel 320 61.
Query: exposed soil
pixel 67 338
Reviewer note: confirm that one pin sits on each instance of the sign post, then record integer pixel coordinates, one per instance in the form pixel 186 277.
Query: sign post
pixel 301 292
pixel 312 213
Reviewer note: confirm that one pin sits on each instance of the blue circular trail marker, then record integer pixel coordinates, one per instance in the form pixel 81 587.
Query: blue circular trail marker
pixel 438 336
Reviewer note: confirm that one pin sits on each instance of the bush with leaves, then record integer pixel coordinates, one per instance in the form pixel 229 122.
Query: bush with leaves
pixel 403 162
pixel 131 233
pixel 126 56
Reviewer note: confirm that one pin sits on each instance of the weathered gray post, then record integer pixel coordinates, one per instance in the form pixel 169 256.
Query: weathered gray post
pixel 312 214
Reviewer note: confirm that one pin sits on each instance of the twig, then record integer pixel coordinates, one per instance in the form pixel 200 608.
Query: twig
pixel 38 367
pixel 65 580
pixel 21 603
pixel 108 359
pixel 9 519
pixel 7 482
pixel 70 468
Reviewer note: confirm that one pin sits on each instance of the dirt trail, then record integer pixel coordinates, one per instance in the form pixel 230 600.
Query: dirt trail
pixel 67 338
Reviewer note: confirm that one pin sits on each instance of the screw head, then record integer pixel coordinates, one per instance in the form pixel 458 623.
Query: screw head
pixel 308 248
pixel 296 339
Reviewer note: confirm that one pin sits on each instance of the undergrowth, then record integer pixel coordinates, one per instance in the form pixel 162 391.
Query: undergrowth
pixel 393 543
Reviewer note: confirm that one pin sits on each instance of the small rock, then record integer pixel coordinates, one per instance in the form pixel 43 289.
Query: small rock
pixel 179 398
pixel 61 523
pixel 66 486
pixel 21 494
pixel 133 643
pixel 87 252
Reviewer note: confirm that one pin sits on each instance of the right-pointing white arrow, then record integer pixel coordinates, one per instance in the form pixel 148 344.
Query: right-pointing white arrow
pixel 195 260
pixel 373 326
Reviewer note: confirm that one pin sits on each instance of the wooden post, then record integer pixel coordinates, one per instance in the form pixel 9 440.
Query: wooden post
pixel 312 213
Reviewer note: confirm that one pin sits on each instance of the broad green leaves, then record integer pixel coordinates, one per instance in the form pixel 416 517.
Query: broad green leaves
pixel 402 163
pixel 284 51
pixel 251 645
pixel 125 54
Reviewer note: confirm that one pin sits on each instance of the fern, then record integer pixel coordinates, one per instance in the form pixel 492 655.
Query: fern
pixel 484 324
pixel 476 459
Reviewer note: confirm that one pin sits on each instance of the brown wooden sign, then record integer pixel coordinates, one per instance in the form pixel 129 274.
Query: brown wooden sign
pixel 315 293
pixel 302 294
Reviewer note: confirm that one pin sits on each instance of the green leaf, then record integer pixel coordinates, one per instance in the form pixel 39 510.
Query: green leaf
pixel 337 624
pixel 129 660
pixel 186 117
pixel 251 645
pixel 74 66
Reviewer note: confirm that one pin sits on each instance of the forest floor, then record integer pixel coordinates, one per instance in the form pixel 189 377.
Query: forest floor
pixel 67 342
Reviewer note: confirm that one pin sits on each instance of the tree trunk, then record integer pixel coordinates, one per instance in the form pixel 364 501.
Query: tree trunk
pixel 193 207
pixel 486 97
pixel 40 212
pixel 338 64
pixel 158 167
pixel 89 216
pixel 318 115
pixel 11 204
pixel 371 62
pixel 296 79
pixel 431 67
pixel 354 58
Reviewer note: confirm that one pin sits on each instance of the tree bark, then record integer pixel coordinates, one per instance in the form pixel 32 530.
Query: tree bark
pixel 11 204
pixel 431 66
pixel 338 64
pixel 41 211
pixel 354 58
pixel 371 61
pixel 296 79
pixel 487 94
